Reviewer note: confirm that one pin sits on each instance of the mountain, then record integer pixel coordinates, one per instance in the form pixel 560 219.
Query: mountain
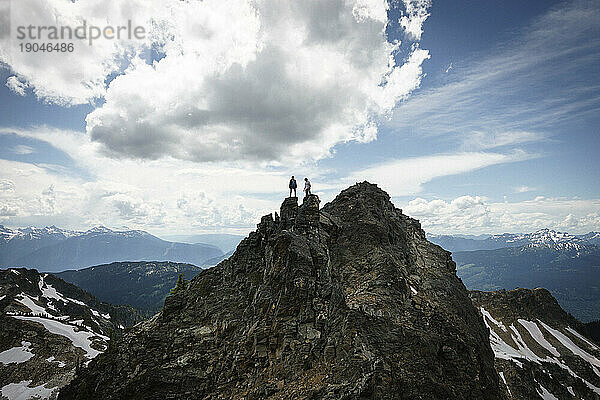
pixel 592 238
pixel 214 261
pixel 347 302
pixel 143 285
pixel 540 350
pixel 570 270
pixel 542 237
pixel 17 243
pixel 63 250
pixel 47 328
pixel 226 242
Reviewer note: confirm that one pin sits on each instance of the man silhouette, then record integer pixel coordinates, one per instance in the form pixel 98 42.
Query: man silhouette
pixel 293 186
pixel 307 186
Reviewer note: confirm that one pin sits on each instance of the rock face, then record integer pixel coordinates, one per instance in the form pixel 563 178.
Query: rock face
pixel 540 349
pixel 347 302
pixel 47 328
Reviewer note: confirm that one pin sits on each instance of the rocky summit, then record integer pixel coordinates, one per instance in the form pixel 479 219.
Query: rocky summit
pixel 345 302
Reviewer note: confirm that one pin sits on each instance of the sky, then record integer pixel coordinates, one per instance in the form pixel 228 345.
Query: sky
pixel 476 117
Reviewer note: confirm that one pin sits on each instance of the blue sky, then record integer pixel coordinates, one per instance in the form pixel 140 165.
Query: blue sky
pixel 486 123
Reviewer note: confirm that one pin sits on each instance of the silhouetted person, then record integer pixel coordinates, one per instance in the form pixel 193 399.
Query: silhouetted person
pixel 307 186
pixel 293 186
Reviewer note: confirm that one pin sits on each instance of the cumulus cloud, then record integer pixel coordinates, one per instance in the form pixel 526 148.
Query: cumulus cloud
pixel 475 215
pixel 6 186
pixel 17 86
pixel 234 79
pixel 166 195
pixel 416 14
pixel 458 213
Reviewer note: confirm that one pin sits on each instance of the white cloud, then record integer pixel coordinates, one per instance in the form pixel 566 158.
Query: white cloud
pixel 163 196
pixel 416 14
pixel 406 176
pixel 238 79
pixel 523 88
pixel 17 86
pixel 23 149
pixel 524 189
pixel 6 186
pixel 489 140
pixel 477 215
pixel 464 211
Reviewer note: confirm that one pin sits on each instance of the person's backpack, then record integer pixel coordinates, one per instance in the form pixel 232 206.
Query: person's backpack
pixel 293 184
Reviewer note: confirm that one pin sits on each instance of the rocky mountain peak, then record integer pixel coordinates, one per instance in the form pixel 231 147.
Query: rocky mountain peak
pixel 347 301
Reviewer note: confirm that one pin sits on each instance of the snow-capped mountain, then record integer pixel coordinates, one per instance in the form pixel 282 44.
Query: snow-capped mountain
pixel 542 237
pixel 32 233
pixel 47 329
pixel 591 237
pixel 52 249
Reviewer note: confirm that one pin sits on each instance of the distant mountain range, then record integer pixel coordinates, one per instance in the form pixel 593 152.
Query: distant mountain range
pixel 143 285
pixel 226 242
pixel 456 243
pixel 52 249
pixel 567 265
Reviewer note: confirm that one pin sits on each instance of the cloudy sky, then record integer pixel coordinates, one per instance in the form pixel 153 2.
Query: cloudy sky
pixel 476 117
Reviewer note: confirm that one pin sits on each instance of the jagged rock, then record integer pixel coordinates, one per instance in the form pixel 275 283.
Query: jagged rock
pixel 540 350
pixel 347 302
pixel 288 211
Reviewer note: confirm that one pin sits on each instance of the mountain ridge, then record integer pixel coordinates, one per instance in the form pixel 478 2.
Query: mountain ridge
pixel 347 301
pixel 51 249
pixel 542 237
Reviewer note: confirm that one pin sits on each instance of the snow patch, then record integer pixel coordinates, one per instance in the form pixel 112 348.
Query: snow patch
pixel 570 389
pixel 538 336
pixel 22 391
pixel 2 297
pixel 28 302
pixel 79 339
pixel 413 290
pixel 17 355
pixel 487 315
pixel 568 343
pixel 523 348
pixel 544 393
pixel 48 291
pixel 505 384
pixel 502 349
pixel 52 359
pixel 14 271
pixel 574 332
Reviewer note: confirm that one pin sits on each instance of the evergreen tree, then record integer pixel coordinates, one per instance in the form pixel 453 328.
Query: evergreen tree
pixel 180 285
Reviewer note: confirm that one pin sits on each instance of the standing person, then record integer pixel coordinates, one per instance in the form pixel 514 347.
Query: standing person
pixel 307 186
pixel 293 186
